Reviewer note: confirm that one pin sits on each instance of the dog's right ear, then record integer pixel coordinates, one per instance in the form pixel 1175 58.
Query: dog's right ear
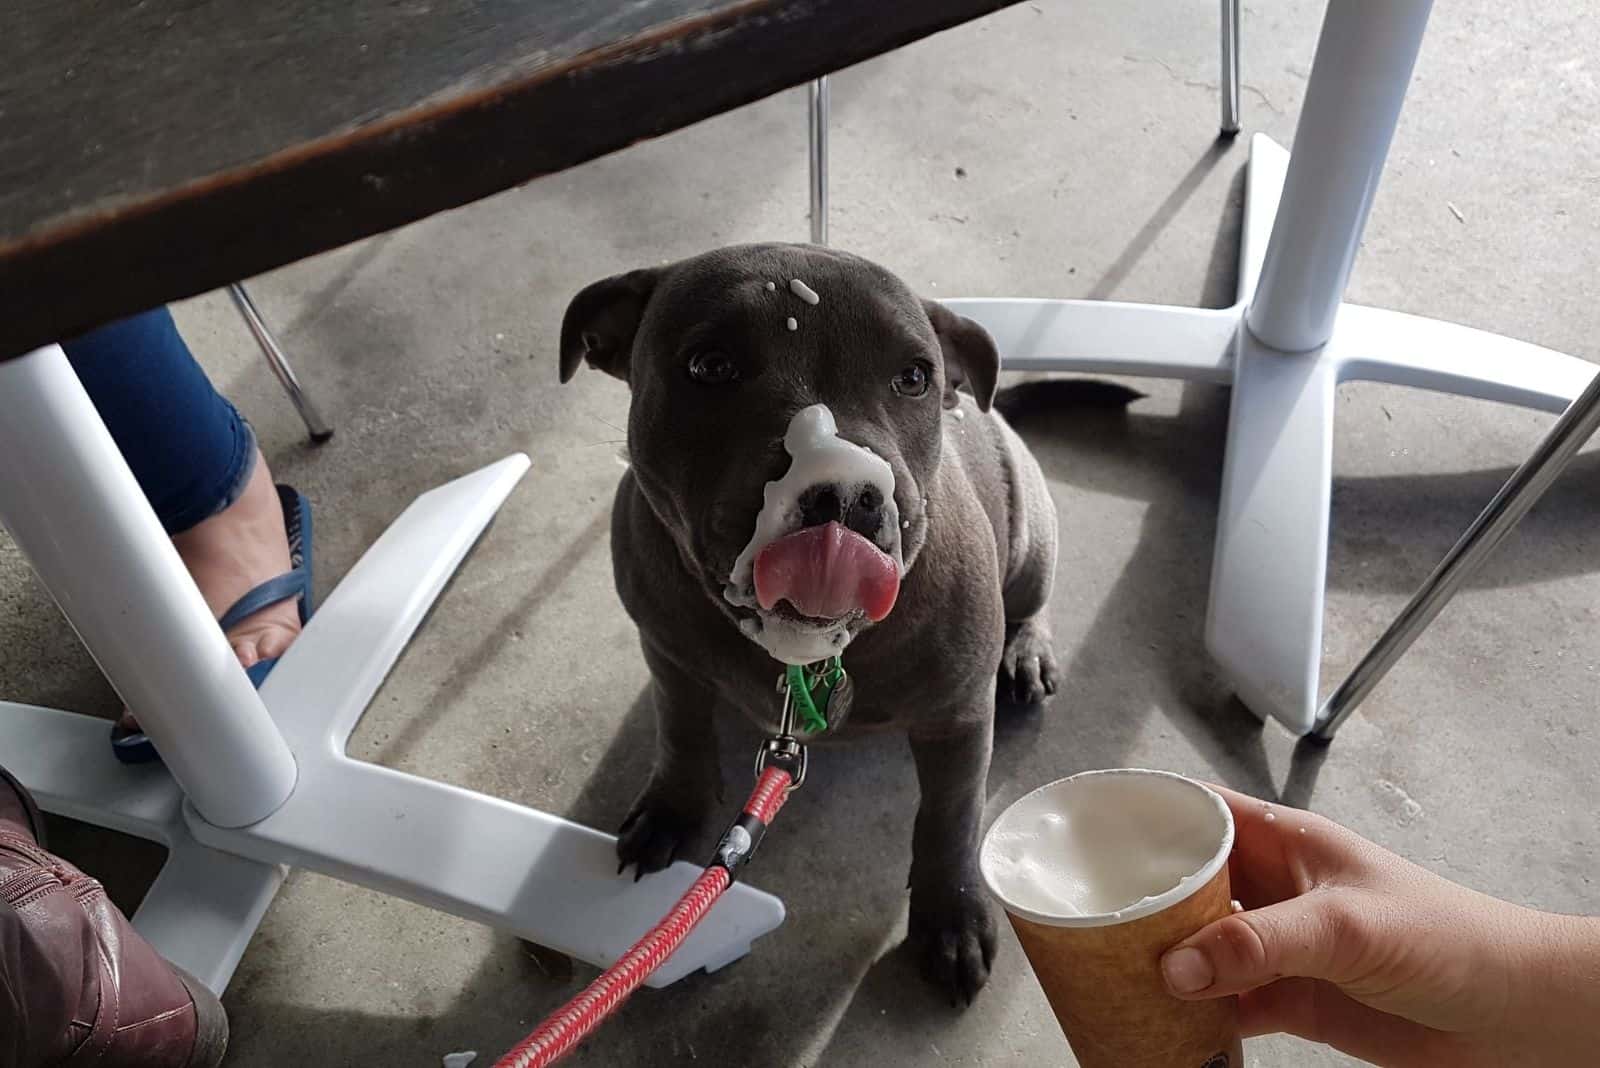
pixel 601 321
pixel 970 358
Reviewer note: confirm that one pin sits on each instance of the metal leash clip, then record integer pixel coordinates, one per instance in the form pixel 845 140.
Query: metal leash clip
pixel 784 749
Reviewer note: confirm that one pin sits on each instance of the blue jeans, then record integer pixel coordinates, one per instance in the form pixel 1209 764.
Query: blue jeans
pixel 190 450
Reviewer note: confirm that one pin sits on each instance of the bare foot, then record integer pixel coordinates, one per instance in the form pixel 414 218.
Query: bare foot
pixel 230 554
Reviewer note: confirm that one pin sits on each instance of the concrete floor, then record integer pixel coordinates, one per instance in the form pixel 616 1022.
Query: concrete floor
pixel 1048 150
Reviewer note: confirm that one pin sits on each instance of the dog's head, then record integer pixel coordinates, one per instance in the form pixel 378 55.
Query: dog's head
pixel 723 350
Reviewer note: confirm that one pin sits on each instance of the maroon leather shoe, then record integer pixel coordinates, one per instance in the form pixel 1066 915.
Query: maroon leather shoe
pixel 78 986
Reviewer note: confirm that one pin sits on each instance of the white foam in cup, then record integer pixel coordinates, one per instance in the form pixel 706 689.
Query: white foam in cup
pixel 1106 847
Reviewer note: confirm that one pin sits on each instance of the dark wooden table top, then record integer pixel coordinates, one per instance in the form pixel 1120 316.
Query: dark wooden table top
pixel 155 149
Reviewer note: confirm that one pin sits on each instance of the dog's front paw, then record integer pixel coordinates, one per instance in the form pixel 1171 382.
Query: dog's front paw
pixel 955 937
pixel 1028 665
pixel 656 827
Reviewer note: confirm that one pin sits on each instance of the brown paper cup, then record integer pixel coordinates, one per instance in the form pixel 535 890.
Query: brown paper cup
pixel 1101 971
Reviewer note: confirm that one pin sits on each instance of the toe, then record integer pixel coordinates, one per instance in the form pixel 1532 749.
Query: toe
pixel 1048 674
pixel 972 967
pixel 956 947
pixel 273 643
pixel 265 635
pixel 939 962
pixel 1028 672
pixel 649 838
pixel 1030 689
pixel 245 649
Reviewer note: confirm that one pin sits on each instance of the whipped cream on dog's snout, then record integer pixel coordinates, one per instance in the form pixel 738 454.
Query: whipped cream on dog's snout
pixel 850 571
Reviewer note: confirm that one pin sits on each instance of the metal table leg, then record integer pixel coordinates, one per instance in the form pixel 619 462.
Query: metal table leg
pixel 1229 81
pixel 818 126
pixel 316 426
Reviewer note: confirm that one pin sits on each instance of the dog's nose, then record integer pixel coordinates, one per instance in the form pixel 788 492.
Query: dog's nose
pixel 859 509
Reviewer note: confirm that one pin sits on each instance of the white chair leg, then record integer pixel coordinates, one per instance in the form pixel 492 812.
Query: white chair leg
pixel 316 426
pixel 1379 345
pixel 1270 560
pixel 74 509
pixel 1229 81
pixel 818 125
pixel 1108 337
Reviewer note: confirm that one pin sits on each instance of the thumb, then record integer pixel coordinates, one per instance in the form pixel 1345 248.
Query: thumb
pixel 1305 936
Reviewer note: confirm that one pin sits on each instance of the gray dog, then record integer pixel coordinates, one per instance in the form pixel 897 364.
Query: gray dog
pixel 722 352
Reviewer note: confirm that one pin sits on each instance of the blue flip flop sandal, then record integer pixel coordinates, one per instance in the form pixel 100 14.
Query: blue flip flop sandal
pixel 134 747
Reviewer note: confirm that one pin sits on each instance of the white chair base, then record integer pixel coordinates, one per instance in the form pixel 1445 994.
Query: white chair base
pixel 531 873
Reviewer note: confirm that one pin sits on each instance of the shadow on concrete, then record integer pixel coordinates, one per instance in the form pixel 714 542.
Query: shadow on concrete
pixel 313 305
pixel 1389 532
pixel 1304 766
pixel 1160 219
pixel 477 659
pixel 1140 665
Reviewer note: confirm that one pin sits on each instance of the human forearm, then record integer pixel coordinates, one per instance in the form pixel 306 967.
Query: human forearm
pixel 1556 1011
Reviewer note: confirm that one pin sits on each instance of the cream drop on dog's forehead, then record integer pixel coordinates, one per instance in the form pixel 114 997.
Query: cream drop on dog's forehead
pixel 804 292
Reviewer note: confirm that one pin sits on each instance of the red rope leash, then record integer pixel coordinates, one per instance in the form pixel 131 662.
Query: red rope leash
pixel 573 1022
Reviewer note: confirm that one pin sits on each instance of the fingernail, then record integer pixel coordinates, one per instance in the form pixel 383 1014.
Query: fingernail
pixel 1187 970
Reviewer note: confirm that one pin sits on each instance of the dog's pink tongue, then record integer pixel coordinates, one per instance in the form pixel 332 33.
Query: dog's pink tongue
pixel 827 572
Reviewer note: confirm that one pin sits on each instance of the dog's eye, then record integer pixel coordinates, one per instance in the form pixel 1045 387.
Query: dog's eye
pixel 712 369
pixel 913 379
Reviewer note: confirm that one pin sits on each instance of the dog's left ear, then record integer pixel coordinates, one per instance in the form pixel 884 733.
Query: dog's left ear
pixel 601 322
pixel 970 358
